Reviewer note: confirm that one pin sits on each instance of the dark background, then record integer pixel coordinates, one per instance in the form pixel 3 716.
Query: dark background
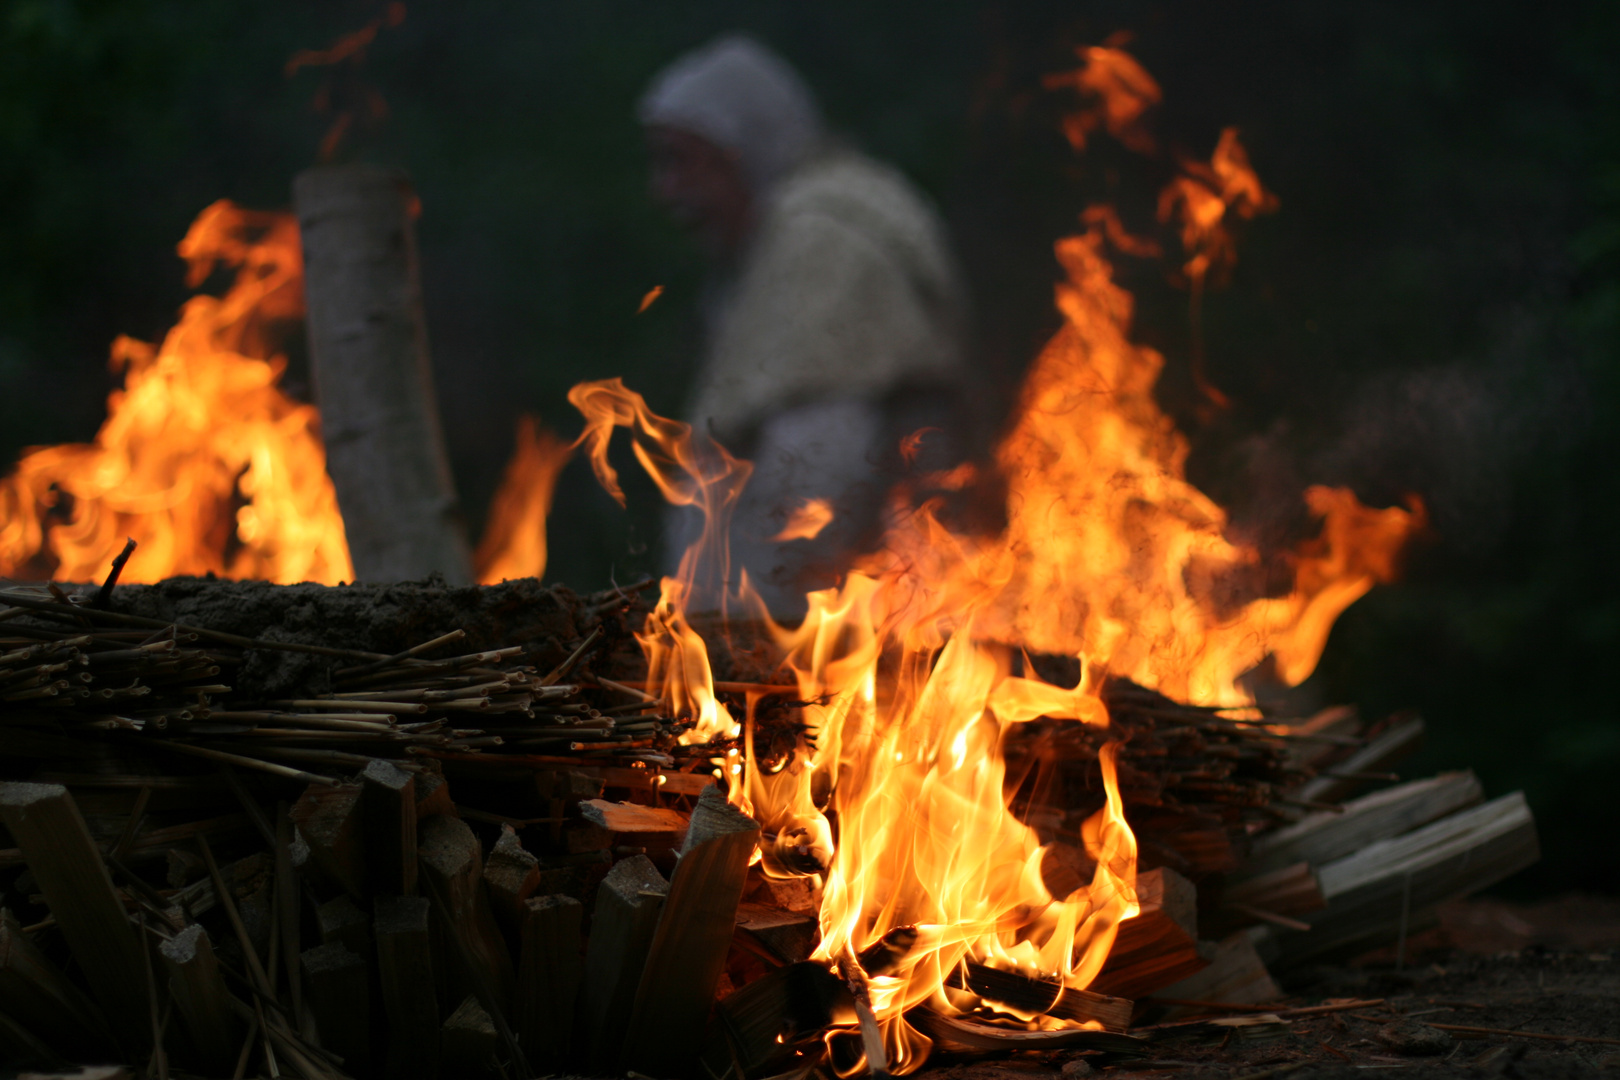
pixel 1433 310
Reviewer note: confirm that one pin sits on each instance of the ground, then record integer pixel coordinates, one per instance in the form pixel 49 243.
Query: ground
pixel 1552 967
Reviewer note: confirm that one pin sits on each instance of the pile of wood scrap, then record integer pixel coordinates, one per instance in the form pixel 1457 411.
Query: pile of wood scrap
pixel 231 844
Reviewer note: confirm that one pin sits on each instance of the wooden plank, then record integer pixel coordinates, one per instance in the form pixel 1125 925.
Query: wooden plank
pixel 328 819
pixel 623 922
pixel 338 990
pixel 1374 892
pixel 1159 945
pixel 1323 837
pixel 47 826
pixel 1392 747
pixel 511 875
pixel 405 964
pixel 1289 890
pixel 388 819
pixel 789 935
pixel 450 854
pixel 200 996
pixel 37 995
pixel 688 950
pixel 548 980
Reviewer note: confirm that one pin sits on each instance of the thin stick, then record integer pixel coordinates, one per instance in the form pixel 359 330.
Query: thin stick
pixel 245 762
pixel 228 902
pixel 247 1048
pixel 158 1054
pixel 255 812
pixel 639 695
pixel 1270 916
pixel 567 665
pixel 1525 1034
pixel 286 926
pixel 104 594
pixel 414 650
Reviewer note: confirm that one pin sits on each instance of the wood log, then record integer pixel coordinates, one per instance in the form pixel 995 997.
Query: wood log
pixel 405 964
pixel 1159 945
pixel 1381 890
pixel 1236 975
pixel 1392 747
pixel 1290 891
pixel 1325 836
pixel 338 990
pixel 1045 996
pixel 548 980
pixel 200 996
pixel 763 1027
pixel 511 875
pixel 450 854
pixel 471 1044
pixel 688 952
pixel 37 995
pixel 623 922
pixel 48 828
pixel 388 818
pixel 329 821
pixel 373 379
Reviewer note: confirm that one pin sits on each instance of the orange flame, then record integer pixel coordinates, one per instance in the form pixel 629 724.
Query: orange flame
pixel 1117 89
pixel 514 541
pixel 806 521
pixel 202 459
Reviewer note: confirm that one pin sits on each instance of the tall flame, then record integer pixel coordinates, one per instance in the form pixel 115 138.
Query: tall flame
pixel 202 459
pixel 514 541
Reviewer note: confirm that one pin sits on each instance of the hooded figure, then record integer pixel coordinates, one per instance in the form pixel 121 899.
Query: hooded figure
pixel 833 318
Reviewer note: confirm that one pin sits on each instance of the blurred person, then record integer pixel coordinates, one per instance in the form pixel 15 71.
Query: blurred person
pixel 833 316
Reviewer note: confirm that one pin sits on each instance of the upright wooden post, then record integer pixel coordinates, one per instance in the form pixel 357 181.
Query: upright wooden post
pixel 373 380
pixel 46 824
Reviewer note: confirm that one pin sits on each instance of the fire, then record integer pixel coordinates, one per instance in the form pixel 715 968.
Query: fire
pixel 514 541
pixel 202 459
pixel 910 670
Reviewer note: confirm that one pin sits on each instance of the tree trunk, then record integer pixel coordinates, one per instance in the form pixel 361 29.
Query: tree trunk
pixel 373 380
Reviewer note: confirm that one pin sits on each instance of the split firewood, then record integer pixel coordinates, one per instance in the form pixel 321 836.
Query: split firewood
pixel 199 994
pixel 511 876
pixel 48 828
pixel 405 964
pixel 329 821
pixel 1392 747
pixel 548 979
pixel 388 820
pixel 688 951
pixel 338 990
pixel 623 922
pixel 1323 837
pixel 451 856
pixel 1389 888
pixel 471 1043
pixel 35 994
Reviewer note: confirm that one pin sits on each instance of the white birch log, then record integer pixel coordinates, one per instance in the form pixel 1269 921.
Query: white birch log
pixel 373 380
